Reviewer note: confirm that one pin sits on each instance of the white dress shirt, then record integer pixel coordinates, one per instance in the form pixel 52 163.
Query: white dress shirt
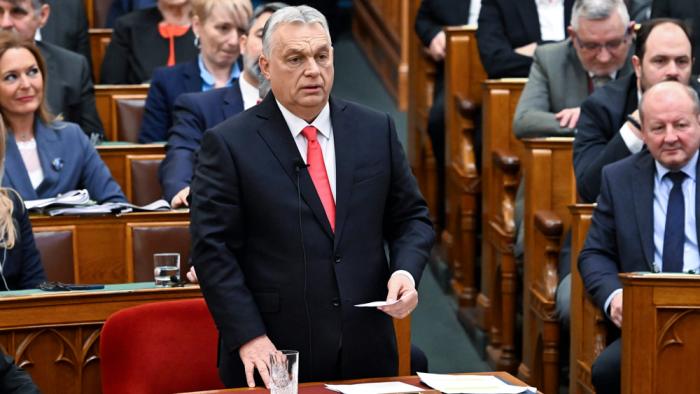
pixel 250 93
pixel 551 15
pixel 474 9
pixel 634 143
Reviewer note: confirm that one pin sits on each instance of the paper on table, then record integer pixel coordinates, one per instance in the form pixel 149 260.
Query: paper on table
pixel 471 384
pixel 376 304
pixel 374 388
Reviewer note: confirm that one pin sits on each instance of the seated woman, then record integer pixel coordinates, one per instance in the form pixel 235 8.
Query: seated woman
pixel 44 156
pixel 218 25
pixel 19 258
pixel 146 39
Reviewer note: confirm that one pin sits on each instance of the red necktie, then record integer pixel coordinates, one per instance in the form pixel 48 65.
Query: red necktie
pixel 317 170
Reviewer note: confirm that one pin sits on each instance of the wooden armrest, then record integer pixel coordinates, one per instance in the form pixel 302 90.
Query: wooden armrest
pixel 549 223
pixel 465 107
pixel 506 162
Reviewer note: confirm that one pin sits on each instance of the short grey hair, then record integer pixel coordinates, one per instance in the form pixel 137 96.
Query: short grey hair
pixel 299 14
pixel 687 89
pixel 596 10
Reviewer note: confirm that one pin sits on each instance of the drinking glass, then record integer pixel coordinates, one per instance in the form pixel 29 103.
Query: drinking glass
pixel 284 372
pixel 166 268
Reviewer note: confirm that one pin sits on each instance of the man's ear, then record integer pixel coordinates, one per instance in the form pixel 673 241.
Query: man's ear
pixel 44 13
pixel 242 42
pixel 637 65
pixel 571 31
pixel 264 66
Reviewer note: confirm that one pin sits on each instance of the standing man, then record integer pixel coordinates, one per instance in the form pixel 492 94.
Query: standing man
pixel 293 202
pixel 645 219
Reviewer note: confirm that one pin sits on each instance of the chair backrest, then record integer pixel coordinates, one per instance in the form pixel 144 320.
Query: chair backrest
pixel 57 249
pixel 142 185
pixel 157 237
pixel 161 347
pixel 129 110
pixel 105 96
pixel 97 12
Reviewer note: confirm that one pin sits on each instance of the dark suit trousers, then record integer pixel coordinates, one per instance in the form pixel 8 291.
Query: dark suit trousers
pixel 606 371
pixel 436 131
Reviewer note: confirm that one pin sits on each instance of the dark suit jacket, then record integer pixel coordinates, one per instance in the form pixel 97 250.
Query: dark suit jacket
pixel 21 266
pixel 67 27
pixel 13 379
pixel 260 275
pixel 123 7
pixel 167 84
pixel 505 25
pixel 620 238
pixel 687 10
pixel 137 48
pixel 194 114
pixel 68 161
pixel 69 89
pixel 434 15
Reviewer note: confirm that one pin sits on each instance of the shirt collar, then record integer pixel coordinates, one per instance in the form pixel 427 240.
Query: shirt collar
pixel 208 78
pixel 689 168
pixel 296 124
pixel 250 93
pixel 612 75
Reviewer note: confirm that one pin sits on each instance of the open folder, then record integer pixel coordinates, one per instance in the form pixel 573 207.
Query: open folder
pixel 78 202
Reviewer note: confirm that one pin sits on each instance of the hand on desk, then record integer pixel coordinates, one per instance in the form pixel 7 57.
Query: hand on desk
pixel 255 354
pixel 568 117
pixel 180 199
pixel 400 288
pixel 616 310
pixel 192 275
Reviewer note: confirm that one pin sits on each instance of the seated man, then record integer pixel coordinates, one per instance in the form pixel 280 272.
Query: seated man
pixel 67 27
pixel 646 214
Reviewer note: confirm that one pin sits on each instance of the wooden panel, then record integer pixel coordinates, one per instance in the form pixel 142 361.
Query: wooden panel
pixel 104 100
pixel 99 40
pixel 114 157
pixel 142 184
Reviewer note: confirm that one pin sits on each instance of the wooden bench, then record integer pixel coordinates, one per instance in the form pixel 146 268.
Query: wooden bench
pixel 464 76
pixel 99 40
pixel 106 100
pixel 115 157
pixel 550 188
pixel 97 11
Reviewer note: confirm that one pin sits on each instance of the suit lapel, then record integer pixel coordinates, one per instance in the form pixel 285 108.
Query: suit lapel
pixel 53 89
pixel 278 138
pixel 191 79
pixel 16 175
pixel 233 100
pixel 579 74
pixel 529 18
pixel 50 151
pixel 344 163
pixel 643 185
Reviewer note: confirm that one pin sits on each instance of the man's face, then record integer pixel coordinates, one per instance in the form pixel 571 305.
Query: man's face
pixel 251 45
pixel 667 57
pixel 601 45
pixel 670 126
pixel 300 68
pixel 21 17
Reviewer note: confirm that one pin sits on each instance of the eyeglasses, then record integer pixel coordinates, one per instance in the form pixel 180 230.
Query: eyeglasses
pixel 610 46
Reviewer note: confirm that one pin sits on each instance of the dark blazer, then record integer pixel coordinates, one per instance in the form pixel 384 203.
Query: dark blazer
pixel 13 379
pixel 137 48
pixel 434 15
pixel 69 89
pixel 687 10
pixel 67 27
pixel 505 25
pixel 194 114
pixel 250 202
pixel 167 84
pixel 621 236
pixel 123 7
pixel 68 161
pixel 21 266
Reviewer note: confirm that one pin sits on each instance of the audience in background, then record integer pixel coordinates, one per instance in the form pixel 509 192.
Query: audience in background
pixel 146 39
pixel 67 27
pixel 509 31
pixel 44 156
pixel 197 112
pixel 69 89
pixel 123 7
pixel 639 10
pixel 219 26
pixel 686 10
pixel 13 379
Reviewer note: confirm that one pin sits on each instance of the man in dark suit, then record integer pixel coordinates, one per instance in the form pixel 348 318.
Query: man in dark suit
pixel 510 30
pixel 68 27
pixel 646 214
pixel 687 10
pixel 293 201
pixel 13 379
pixel 604 132
pixel 195 113
pixel 123 7
pixel 69 87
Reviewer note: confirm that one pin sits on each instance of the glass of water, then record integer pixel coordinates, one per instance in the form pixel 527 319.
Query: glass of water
pixel 284 372
pixel 166 268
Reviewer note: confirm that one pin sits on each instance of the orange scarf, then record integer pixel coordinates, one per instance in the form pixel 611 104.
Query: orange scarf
pixel 170 32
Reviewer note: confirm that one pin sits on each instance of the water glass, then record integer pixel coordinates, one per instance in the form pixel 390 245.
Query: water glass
pixel 166 268
pixel 284 372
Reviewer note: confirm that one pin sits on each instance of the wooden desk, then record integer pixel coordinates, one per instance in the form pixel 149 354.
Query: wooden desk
pixel 319 387
pixel 56 336
pixel 115 155
pixel 660 343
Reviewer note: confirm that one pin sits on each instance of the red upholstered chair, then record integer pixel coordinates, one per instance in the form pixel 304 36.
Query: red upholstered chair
pixel 161 347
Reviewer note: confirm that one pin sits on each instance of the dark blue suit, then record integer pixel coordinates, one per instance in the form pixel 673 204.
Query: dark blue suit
pixel 68 161
pixel 123 7
pixel 194 113
pixel 167 84
pixel 251 203
pixel 21 266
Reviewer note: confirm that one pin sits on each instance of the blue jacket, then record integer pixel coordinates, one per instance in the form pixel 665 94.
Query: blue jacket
pixel 68 161
pixel 167 84
pixel 194 113
pixel 21 265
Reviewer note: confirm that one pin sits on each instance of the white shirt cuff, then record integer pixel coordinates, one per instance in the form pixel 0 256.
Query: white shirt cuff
pixel 609 300
pixel 406 274
pixel 634 143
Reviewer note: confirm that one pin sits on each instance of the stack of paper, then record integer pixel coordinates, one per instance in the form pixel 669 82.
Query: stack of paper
pixel 374 388
pixel 471 384
pixel 71 199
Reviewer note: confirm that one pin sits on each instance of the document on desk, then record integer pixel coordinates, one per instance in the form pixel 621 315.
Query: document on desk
pixel 374 388
pixel 471 384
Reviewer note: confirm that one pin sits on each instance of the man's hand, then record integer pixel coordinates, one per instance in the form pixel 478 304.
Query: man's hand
pixel 616 310
pixel 527 50
pixel 400 288
pixel 255 354
pixel 180 199
pixel 192 275
pixel 568 117
pixel 635 129
pixel 437 47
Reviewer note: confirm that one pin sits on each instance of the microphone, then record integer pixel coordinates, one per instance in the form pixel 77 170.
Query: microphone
pixel 299 164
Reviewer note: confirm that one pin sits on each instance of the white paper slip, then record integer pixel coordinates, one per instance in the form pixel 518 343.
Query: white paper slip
pixel 376 304
pixel 471 384
pixel 374 388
